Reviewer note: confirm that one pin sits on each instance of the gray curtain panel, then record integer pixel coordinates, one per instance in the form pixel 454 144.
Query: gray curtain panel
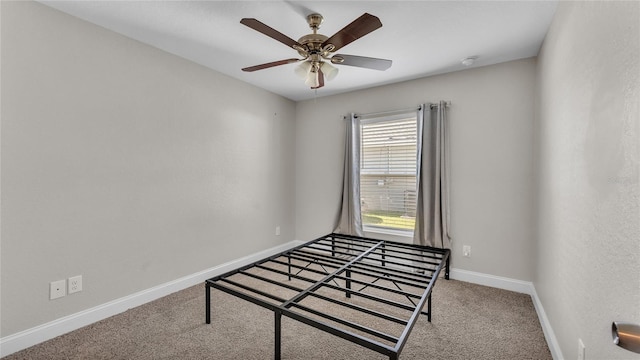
pixel 350 220
pixel 432 213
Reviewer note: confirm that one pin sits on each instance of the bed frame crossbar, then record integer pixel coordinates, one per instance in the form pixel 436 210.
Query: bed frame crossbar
pixel 315 271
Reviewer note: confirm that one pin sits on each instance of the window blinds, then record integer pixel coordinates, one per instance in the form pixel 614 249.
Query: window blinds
pixel 388 172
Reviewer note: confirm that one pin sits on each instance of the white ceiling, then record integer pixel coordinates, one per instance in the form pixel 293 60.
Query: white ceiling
pixel 421 37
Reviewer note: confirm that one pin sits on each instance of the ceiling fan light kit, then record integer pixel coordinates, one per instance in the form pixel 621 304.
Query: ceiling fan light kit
pixel 329 71
pixel 302 70
pixel 317 50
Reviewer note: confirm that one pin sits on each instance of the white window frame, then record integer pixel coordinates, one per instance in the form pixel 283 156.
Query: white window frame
pixel 384 232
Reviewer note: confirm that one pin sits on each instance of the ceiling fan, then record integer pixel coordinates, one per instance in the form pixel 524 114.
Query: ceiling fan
pixel 317 50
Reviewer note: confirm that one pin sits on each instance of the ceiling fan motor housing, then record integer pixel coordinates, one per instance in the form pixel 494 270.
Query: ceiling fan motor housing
pixel 312 43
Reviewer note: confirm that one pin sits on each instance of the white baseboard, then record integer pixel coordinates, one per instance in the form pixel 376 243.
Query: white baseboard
pixel 549 335
pixel 525 287
pixel 44 332
pixel 499 282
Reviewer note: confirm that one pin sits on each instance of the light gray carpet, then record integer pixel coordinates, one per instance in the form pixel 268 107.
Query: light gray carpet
pixel 469 322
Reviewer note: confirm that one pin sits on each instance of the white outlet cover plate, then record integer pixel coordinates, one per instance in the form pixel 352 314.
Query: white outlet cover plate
pixel 75 284
pixel 57 289
pixel 466 251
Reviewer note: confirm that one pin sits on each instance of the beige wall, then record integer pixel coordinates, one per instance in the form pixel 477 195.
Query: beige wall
pixel 127 165
pixel 491 123
pixel 588 151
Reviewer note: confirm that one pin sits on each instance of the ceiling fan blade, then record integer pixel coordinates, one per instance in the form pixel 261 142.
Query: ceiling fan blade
pixel 361 61
pixel 320 80
pixel 271 64
pixel 357 29
pixel 269 31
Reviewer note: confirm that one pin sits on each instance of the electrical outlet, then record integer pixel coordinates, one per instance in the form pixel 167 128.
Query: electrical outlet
pixel 466 251
pixel 278 230
pixel 581 351
pixel 75 284
pixel 57 289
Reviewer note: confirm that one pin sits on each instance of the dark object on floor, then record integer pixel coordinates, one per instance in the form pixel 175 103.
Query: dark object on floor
pixel 388 282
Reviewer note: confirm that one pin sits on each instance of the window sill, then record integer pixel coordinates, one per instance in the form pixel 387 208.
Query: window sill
pixel 404 236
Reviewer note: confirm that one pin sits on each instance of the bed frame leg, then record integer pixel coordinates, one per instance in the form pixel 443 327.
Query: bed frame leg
pixel 446 267
pixel 348 283
pixel 333 247
pixel 289 259
pixel 429 308
pixel 207 296
pixel 278 335
pixel 383 255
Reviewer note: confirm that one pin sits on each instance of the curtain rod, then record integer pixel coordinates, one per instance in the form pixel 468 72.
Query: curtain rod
pixel 399 111
pixel 382 113
pixel 446 103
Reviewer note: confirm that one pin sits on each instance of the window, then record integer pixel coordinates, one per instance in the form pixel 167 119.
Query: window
pixel 388 172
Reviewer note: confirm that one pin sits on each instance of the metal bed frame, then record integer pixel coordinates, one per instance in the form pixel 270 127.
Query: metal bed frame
pixel 388 281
